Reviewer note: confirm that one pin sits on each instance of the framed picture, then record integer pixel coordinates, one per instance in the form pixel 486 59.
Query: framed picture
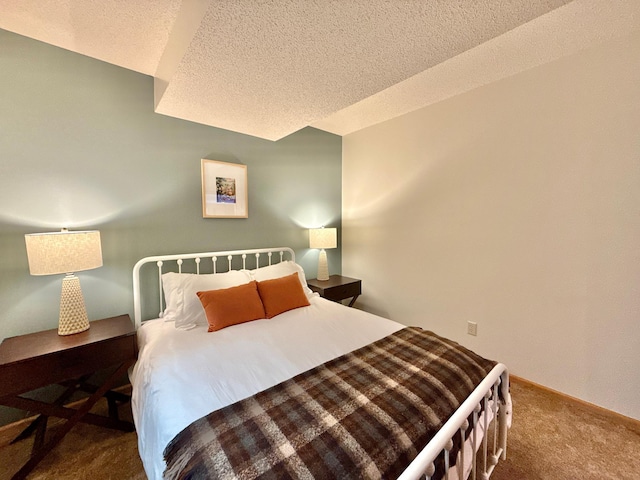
pixel 224 190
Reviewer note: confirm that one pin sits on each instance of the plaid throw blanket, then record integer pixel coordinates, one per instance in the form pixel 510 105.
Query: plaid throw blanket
pixel 363 415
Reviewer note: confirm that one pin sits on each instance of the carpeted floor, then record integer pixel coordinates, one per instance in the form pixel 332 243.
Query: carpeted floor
pixel 552 438
pixel 555 438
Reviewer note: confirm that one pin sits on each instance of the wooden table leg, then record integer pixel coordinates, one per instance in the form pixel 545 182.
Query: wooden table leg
pixel 39 425
pixel 50 410
pixel 63 429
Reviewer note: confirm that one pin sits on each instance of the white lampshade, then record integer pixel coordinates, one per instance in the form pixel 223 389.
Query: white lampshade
pixel 63 252
pixel 323 238
pixel 66 252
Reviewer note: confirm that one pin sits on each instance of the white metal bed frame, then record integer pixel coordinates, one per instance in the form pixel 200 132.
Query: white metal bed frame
pixel 488 406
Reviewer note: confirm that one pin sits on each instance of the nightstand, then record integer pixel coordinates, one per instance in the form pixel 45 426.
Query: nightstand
pixel 28 362
pixel 337 288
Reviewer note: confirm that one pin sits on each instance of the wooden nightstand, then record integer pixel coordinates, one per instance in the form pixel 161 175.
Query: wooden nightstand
pixel 45 358
pixel 337 288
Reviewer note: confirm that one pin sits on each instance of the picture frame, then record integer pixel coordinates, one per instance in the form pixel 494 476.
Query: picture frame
pixel 224 190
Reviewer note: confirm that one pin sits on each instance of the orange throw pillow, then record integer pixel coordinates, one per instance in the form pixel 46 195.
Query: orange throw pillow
pixel 230 306
pixel 281 294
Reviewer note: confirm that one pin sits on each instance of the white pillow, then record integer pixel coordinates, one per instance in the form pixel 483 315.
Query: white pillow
pixel 282 269
pixel 180 294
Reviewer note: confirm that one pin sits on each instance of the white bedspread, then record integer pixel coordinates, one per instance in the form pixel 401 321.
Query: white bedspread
pixel 182 375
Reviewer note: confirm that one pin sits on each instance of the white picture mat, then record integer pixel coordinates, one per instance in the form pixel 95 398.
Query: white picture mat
pixel 211 207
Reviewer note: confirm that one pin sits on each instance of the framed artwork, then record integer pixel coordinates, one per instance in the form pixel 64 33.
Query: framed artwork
pixel 224 190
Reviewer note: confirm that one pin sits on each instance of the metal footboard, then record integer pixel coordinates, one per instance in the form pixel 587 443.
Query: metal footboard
pixel 489 407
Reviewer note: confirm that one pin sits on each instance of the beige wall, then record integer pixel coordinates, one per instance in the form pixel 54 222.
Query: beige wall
pixel 516 206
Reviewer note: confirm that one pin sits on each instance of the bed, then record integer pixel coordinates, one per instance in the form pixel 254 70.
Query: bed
pixel 191 384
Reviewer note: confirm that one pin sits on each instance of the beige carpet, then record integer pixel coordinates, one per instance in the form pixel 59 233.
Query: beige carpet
pixel 552 438
pixel 556 438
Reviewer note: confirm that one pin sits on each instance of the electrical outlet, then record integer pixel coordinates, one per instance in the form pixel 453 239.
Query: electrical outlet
pixel 472 328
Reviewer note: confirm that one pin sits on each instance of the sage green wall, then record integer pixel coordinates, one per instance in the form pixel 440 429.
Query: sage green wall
pixel 81 147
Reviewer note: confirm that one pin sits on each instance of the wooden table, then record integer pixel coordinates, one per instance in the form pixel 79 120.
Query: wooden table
pixel 28 362
pixel 337 288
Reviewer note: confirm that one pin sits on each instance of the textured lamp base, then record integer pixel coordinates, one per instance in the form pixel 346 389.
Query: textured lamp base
pixel 73 314
pixel 323 267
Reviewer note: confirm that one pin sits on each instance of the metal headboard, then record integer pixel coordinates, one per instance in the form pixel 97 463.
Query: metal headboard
pixel 206 262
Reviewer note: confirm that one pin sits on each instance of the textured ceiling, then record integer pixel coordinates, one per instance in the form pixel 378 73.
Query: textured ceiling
pixel 270 68
pixel 128 33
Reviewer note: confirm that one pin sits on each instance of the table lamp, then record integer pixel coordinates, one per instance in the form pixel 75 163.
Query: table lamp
pixel 323 238
pixel 66 252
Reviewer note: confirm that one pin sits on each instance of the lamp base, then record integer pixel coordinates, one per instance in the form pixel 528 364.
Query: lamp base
pixel 73 314
pixel 323 267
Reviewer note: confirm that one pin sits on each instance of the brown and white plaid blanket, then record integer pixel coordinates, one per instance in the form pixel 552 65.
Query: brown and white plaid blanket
pixel 364 415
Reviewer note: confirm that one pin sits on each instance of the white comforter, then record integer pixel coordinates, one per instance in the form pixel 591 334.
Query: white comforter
pixel 182 375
